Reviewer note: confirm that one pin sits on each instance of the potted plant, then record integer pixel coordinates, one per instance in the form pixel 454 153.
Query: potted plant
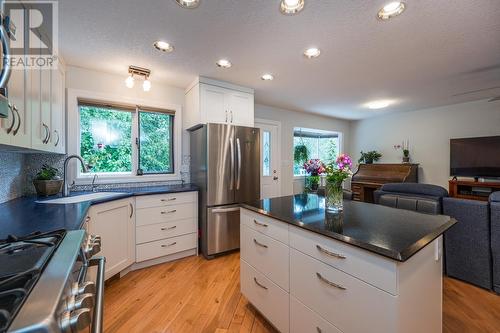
pixel 314 168
pixel 369 157
pixel 300 154
pixel 405 148
pixel 47 182
pixel 336 173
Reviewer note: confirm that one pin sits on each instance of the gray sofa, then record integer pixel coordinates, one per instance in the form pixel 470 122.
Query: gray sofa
pixel 423 198
pixel 468 243
pixel 495 239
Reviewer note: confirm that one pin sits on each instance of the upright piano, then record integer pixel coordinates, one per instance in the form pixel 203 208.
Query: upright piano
pixel 371 177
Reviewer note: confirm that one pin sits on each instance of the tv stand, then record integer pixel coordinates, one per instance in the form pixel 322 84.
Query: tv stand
pixel 472 190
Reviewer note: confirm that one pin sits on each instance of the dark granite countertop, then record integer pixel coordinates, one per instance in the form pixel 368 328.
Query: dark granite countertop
pixel 25 215
pixel 394 233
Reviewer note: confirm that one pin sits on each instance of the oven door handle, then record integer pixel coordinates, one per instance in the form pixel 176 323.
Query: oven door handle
pixel 100 262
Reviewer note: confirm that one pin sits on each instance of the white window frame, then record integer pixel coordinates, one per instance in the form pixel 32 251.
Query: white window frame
pixel 73 141
pixel 319 131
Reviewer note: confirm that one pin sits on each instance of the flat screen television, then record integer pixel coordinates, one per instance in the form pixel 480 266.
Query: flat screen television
pixel 475 157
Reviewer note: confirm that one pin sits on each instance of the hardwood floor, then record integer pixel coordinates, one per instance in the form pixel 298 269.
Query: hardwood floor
pixel 196 295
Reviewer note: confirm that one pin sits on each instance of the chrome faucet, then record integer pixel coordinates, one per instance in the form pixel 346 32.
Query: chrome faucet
pixel 94 185
pixel 66 162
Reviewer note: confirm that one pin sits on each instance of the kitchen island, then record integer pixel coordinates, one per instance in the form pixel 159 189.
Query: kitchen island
pixel 368 269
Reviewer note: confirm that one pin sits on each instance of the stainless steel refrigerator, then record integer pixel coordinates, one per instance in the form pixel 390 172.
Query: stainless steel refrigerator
pixel 225 164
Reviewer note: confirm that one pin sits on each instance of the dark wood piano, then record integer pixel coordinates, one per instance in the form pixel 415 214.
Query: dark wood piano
pixel 371 177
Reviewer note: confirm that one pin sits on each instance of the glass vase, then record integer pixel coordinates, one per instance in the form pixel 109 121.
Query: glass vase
pixel 334 197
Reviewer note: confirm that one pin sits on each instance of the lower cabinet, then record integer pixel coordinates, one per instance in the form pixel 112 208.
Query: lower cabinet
pixel 114 221
pixel 167 227
pixel 304 282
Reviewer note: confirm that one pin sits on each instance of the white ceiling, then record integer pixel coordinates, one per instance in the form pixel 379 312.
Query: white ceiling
pixel 435 50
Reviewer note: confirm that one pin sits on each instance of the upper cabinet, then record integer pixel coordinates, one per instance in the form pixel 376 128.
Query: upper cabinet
pixel 211 101
pixel 36 119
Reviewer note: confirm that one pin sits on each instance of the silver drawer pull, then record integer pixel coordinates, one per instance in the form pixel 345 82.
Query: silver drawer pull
pixel 169 228
pixel 259 284
pixel 169 212
pixel 87 219
pixel 331 254
pixel 330 283
pixel 169 199
pixel 259 244
pixel 169 245
pixel 259 223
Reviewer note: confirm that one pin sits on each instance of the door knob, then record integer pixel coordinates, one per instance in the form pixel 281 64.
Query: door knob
pixel 275 178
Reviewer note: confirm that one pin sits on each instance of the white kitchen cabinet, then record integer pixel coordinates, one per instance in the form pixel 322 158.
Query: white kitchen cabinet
pixel 166 227
pixel 114 221
pixel 333 286
pixel 211 101
pixel 58 134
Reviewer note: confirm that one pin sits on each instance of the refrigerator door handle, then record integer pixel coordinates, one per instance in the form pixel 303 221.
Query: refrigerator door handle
pixel 238 148
pixel 231 183
pixel 225 210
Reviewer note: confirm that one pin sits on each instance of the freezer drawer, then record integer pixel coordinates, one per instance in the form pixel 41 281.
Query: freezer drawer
pixel 223 229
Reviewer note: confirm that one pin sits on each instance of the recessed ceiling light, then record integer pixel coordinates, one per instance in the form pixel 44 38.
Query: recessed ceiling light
pixel 379 104
pixel 224 63
pixel 188 3
pixel 267 77
pixel 163 46
pixel 290 7
pixel 392 9
pixel 312 52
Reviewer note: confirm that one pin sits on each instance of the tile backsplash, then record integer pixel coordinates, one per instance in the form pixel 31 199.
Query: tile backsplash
pixel 17 171
pixel 12 175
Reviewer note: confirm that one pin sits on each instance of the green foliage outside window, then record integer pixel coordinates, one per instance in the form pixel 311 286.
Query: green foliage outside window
pixel 324 149
pixel 105 139
pixel 155 142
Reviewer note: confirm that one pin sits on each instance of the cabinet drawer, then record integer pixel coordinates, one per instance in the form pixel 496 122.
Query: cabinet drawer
pixel 152 232
pixel 267 255
pixel 154 215
pixel 159 200
pixel 271 300
pixel 265 225
pixel 347 302
pixel 362 264
pixel 165 247
pixel 303 319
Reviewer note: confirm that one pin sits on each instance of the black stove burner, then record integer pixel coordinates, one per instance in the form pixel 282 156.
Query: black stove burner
pixel 21 262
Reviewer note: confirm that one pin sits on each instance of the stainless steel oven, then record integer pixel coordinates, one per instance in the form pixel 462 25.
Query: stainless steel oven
pixel 7 31
pixel 68 295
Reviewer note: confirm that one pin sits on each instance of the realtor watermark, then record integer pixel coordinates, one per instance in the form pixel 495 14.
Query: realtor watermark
pixel 32 27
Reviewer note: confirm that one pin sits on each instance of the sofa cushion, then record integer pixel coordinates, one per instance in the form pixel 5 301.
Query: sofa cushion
pixel 418 204
pixel 467 243
pixel 495 243
pixel 495 197
pixel 416 189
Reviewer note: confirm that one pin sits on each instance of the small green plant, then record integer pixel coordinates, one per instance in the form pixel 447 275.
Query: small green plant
pixel 369 157
pixel 300 154
pixel 46 173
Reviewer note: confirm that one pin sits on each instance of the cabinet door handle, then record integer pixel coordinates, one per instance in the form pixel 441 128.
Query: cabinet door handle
pixel 259 284
pixel 260 224
pixel 330 283
pixel 87 219
pixel 169 228
pixel 18 120
pixel 330 253
pixel 226 116
pixel 131 210
pixel 169 212
pixel 231 116
pixel 13 119
pixel 57 141
pixel 259 244
pixel 168 245
pixel 169 199
pixel 47 133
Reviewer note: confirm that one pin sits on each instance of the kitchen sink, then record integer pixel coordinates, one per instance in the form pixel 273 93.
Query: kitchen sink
pixel 82 198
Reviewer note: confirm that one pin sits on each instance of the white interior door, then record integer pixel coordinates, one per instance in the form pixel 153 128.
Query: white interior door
pixel 270 182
